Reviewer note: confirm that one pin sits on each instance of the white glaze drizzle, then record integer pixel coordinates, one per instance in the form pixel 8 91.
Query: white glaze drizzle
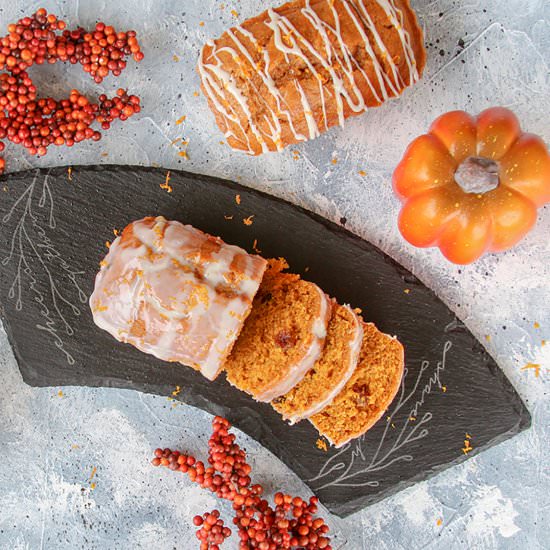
pixel 354 351
pixel 183 317
pixel 220 84
pixel 297 371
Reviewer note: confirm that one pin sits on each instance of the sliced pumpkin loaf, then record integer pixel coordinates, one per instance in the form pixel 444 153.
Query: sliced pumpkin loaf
pixel 368 393
pixel 330 373
pixel 283 336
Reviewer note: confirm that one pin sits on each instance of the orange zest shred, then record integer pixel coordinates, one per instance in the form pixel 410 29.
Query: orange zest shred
pixel 94 472
pixel 467 445
pixel 166 185
pixel 107 244
pixel 249 220
pixel 181 120
pixel 238 199
pixel 228 217
pixel 439 522
pixel 536 324
pixel 234 13
pixel 70 174
pixel 60 393
pixel 362 173
pixel 532 366
pixel 177 391
pixel 175 58
pixel 116 232
pixel 255 247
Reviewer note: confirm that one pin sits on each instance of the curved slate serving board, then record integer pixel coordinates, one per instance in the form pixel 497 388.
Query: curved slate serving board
pixel 54 227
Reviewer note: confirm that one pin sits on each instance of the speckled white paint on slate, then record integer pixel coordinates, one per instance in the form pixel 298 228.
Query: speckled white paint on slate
pixel 480 54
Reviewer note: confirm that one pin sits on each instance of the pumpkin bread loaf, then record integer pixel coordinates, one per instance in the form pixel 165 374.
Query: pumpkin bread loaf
pixel 368 393
pixel 292 72
pixel 282 338
pixel 175 292
pixel 330 373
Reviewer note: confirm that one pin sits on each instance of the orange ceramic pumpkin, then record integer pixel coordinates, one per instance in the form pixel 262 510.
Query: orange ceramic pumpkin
pixel 472 184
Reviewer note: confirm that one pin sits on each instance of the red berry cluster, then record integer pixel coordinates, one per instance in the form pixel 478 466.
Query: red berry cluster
pixel 37 123
pixel 290 524
pixel 212 531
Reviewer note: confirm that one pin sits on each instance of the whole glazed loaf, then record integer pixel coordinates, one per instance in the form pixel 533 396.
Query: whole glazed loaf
pixel 292 72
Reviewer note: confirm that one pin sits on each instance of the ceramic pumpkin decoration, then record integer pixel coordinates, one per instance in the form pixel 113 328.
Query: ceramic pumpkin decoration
pixel 472 184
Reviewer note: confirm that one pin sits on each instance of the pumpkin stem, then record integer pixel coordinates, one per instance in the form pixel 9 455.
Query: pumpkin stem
pixel 477 175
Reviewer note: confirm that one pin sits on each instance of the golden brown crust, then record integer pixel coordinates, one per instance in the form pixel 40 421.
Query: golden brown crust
pixel 368 393
pixel 293 72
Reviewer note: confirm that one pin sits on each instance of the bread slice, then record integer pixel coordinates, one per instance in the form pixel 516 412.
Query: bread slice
pixel 282 338
pixel 330 373
pixel 368 393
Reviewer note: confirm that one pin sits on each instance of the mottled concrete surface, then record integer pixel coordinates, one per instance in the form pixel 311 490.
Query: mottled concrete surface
pixel 51 440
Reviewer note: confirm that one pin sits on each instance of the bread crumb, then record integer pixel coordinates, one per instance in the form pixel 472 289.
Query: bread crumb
pixel 175 58
pixel 488 337
pixel 201 23
pixel 196 94
pixel 536 325
pixel 439 522
pixel 228 217
pixel 234 13
pixel 444 389
pixel 362 173
pixel 176 391
pixel 60 393
pixel 334 161
pixel 321 444
pixel 92 486
pixel 407 291
pixel 107 244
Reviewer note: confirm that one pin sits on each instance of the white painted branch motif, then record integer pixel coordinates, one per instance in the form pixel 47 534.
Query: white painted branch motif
pixel 351 464
pixel 33 251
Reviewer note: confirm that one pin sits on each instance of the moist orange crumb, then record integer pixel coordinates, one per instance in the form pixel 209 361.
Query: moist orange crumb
pixel 333 368
pixel 368 393
pixel 278 334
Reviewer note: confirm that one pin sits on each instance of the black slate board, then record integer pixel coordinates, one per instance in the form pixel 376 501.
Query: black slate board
pixel 54 227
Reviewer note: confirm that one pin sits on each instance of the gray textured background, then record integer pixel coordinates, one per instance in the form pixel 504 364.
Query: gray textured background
pixel 51 440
